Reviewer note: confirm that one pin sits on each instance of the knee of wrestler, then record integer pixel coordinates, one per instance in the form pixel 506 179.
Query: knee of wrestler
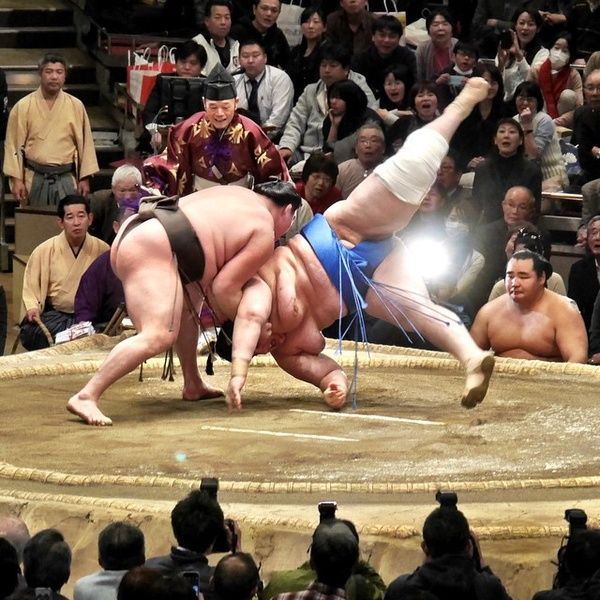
pixel 157 341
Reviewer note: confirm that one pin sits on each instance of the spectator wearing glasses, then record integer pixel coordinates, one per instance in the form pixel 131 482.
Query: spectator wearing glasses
pixel 586 128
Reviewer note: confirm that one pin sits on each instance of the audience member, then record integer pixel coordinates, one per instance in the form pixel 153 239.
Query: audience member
pixel 47 563
pixel 530 321
pixel 584 25
pixel 215 37
pixel 49 149
pixel 580 562
pixel 54 270
pixel 364 583
pixel 586 128
pixel 518 208
pixel 350 26
pixel 449 569
pixel 428 223
pixel 435 54
pixel 120 548
pixel 393 98
pixel 236 577
pixel 305 58
pixel 197 523
pixel 10 570
pixel 490 19
pixel 370 150
pixel 347 112
pixel 264 91
pixel 560 83
pixel 526 51
pixel 554 16
pixel 317 186
pixel 452 79
pixel 216 146
pixel 303 133
pixel 541 140
pixel 590 205
pixel 383 53
pixel 263 27
pixel 474 139
pixel 528 237
pixel 583 277
pixel 15 530
pixel 126 187
pixel 448 178
pixel 505 167
pixel 190 61
pixel 138 584
pixel 423 100
pixel 333 556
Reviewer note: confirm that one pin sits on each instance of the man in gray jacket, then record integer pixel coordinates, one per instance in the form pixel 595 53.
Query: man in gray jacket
pixel 303 133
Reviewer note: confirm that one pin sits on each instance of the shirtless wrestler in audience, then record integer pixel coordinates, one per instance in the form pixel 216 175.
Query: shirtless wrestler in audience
pixel 221 240
pixel 530 321
pixel 298 296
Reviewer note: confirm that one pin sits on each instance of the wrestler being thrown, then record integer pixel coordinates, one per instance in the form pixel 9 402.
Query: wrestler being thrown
pixel 306 285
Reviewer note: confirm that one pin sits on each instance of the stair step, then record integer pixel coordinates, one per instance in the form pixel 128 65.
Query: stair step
pixel 88 93
pixel 37 37
pixel 30 17
pixel 23 59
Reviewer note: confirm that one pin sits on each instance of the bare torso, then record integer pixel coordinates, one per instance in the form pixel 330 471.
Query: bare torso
pixel 529 333
pixel 304 299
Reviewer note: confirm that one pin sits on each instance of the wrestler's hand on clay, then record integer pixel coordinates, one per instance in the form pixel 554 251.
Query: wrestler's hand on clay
pixel 233 396
pixel 335 395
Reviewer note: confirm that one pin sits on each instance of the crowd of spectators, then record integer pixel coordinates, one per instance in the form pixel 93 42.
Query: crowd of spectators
pixel 356 84
pixel 453 565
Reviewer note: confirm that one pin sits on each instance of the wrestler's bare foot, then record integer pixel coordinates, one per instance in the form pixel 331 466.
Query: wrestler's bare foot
pixel 475 90
pixel 335 396
pixel 87 410
pixel 479 370
pixel 192 393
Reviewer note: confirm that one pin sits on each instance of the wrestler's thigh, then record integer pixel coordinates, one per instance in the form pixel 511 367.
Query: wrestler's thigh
pixel 370 212
pixel 410 290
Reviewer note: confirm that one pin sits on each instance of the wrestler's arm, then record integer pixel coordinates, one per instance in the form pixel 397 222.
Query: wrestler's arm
pixel 571 336
pixel 320 370
pixel 229 281
pixel 252 314
pixel 479 330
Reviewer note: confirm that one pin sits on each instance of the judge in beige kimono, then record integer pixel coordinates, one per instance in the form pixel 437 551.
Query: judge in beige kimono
pixel 54 270
pixel 49 149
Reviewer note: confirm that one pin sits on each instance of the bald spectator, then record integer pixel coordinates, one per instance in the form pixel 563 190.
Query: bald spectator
pixel 530 321
pixel 16 532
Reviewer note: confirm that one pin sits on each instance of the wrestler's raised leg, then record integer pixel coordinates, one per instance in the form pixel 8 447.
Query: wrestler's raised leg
pixel 143 259
pixel 386 200
pixel 186 347
pixel 437 324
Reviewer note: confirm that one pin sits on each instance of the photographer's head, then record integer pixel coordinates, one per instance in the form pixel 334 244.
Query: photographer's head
pixel 197 520
pixel 236 577
pixel 446 531
pixel 121 547
pixel 47 560
pixel 333 553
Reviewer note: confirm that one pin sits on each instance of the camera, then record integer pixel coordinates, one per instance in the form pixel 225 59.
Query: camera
pixel 577 519
pixel 327 510
pixel 210 485
pixel 506 39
